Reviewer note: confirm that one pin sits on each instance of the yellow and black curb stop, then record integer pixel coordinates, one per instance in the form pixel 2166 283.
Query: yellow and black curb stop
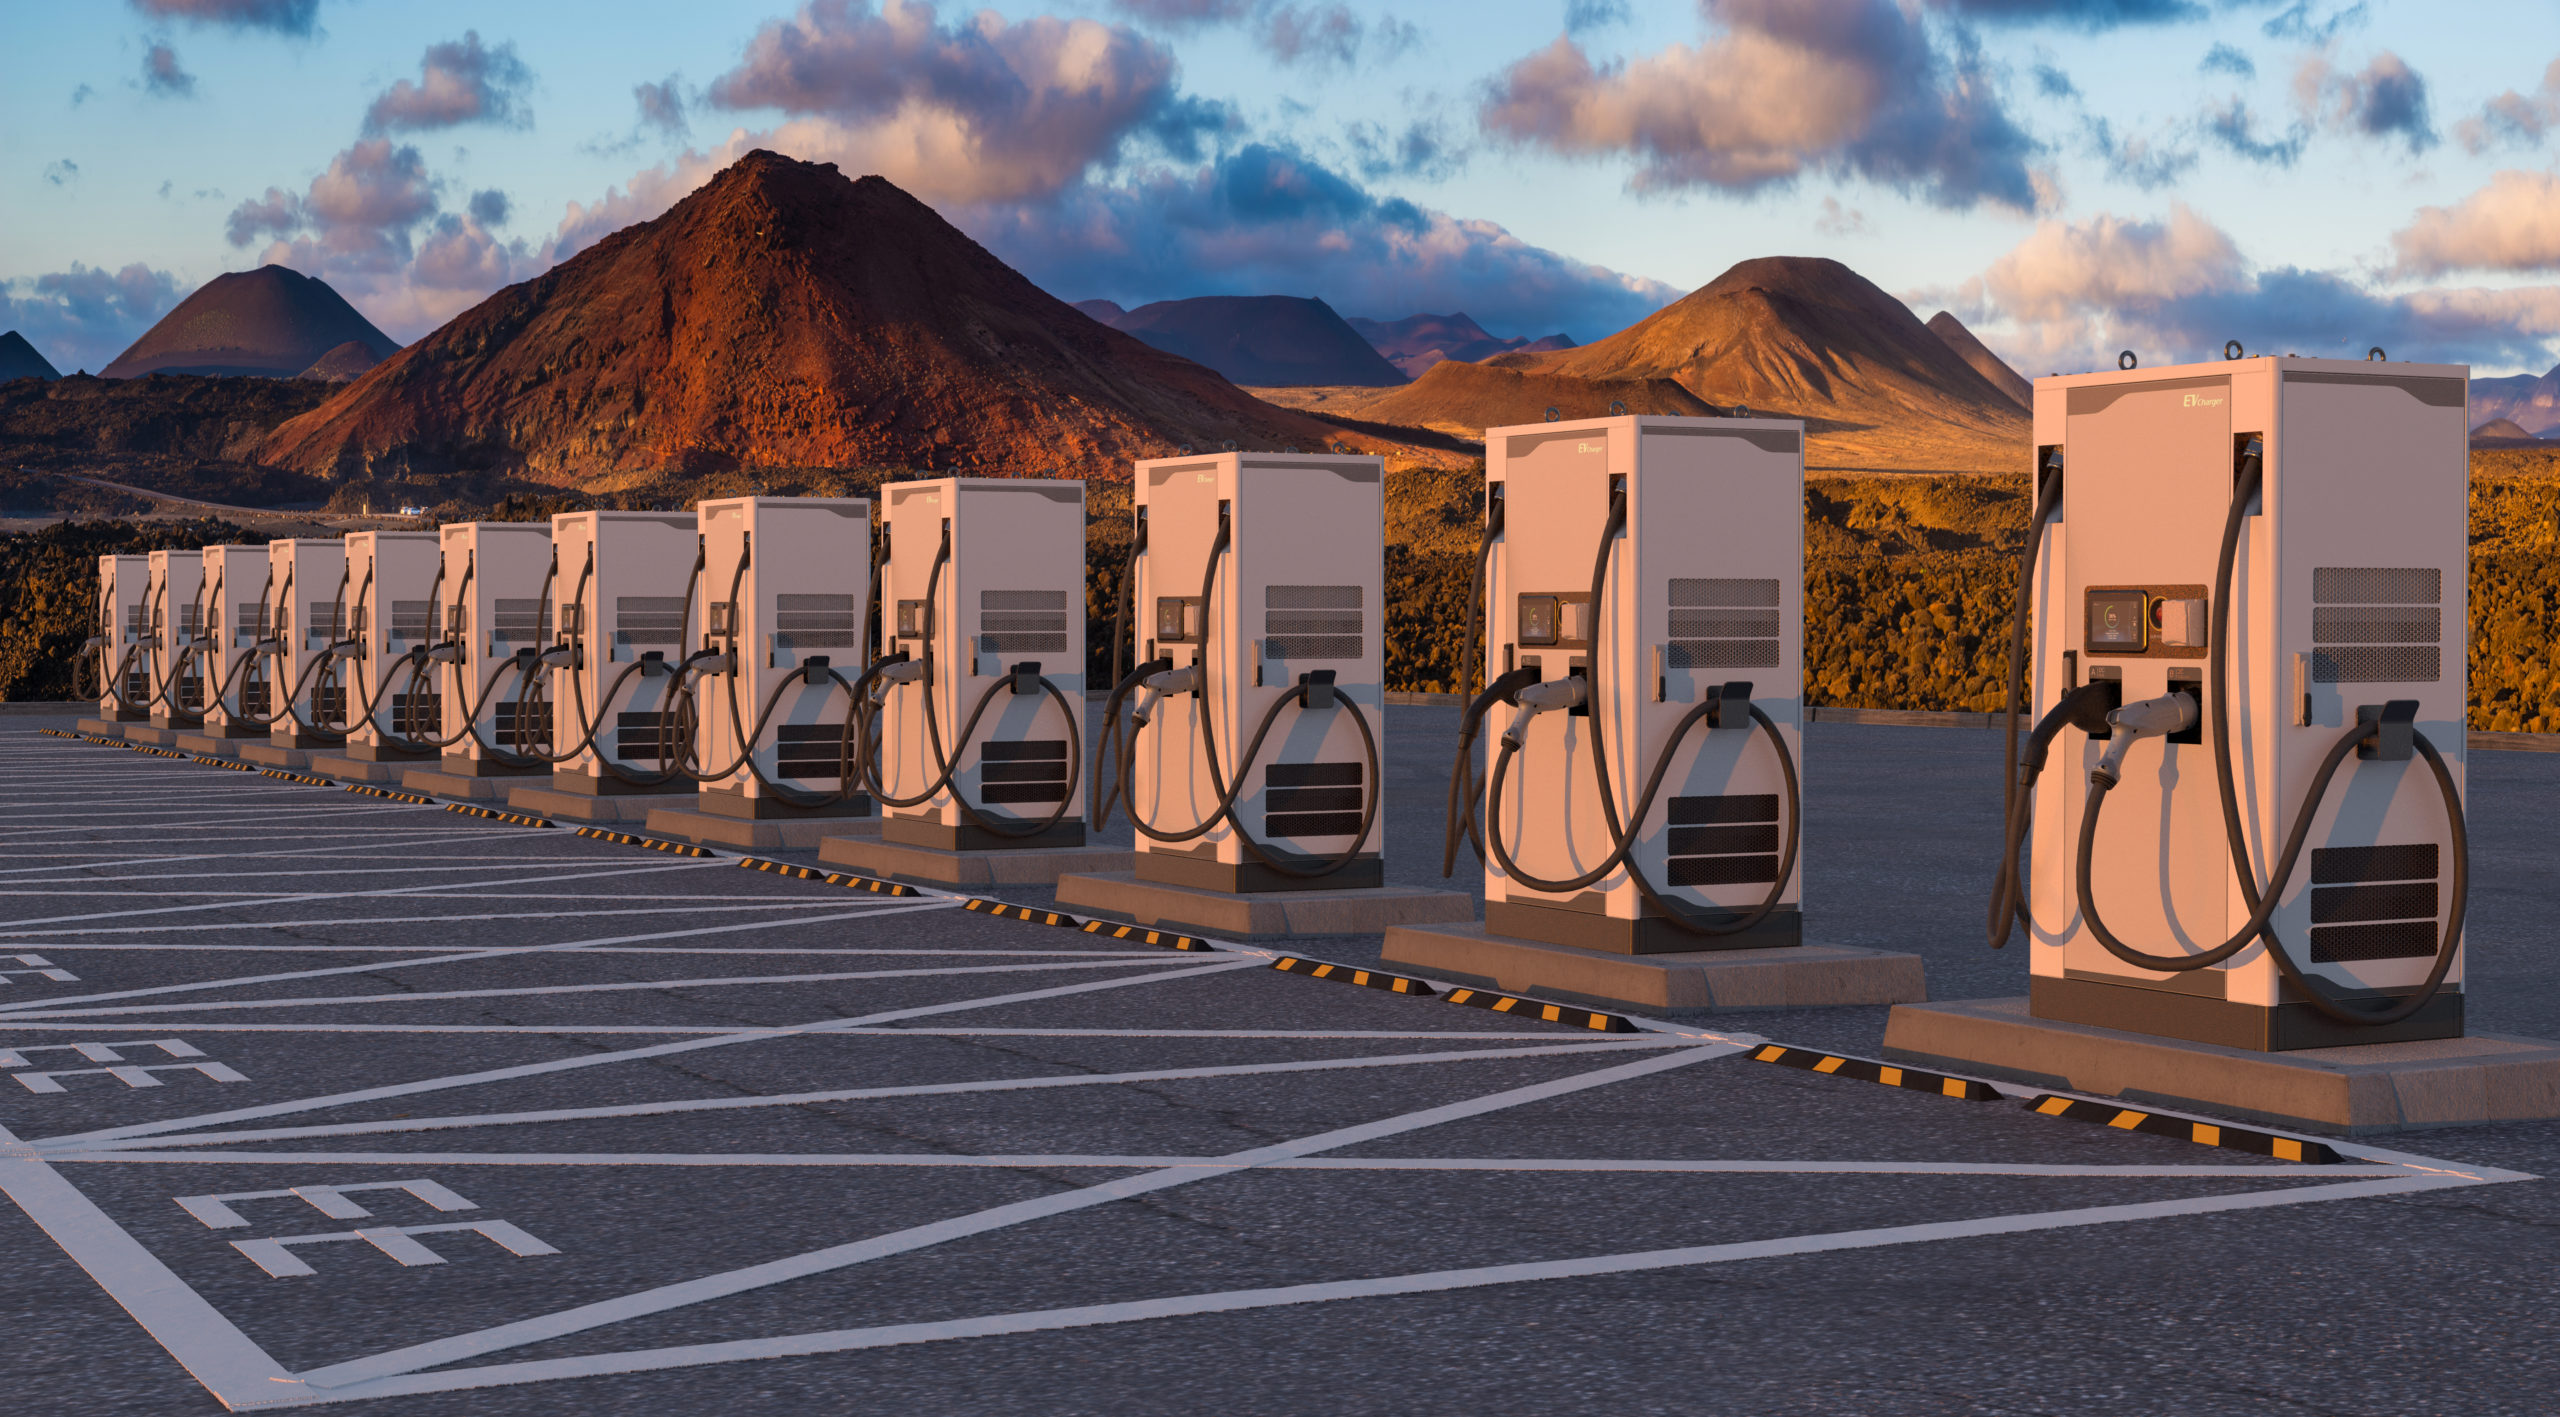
pixel 1531 1008
pixel 492 813
pixel 1164 939
pixel 227 763
pixel 2201 1133
pixel 1868 1070
pixel 650 842
pixel 1365 978
pixel 302 777
pixel 153 751
pixel 812 873
pixel 385 792
pixel 1007 911
pixel 56 733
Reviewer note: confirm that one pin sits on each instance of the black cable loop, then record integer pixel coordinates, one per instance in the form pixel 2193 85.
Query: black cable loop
pixel 1465 790
pixel 2008 890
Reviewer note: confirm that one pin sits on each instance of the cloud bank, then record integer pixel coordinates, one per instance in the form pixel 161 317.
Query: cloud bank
pixel 84 317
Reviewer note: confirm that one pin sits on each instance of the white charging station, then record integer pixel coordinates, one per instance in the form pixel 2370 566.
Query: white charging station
pixel 236 587
pixel 634 578
pixel 2341 491
pixel 308 617
pixel 781 595
pixel 980 731
pixel 174 639
pixel 123 626
pixel 394 585
pixel 489 605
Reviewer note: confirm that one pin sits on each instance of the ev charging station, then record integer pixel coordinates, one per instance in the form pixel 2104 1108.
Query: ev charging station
pixel 175 644
pixel 393 586
pixel 236 616
pixel 489 603
pixel 632 576
pixel 124 626
pixel 2250 653
pixel 308 617
pixel 978 694
pixel 780 617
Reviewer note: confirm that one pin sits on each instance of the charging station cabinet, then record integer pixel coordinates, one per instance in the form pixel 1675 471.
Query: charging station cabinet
pixel 236 619
pixel 309 617
pixel 1008 595
pixel 2349 590
pixel 1703 593
pixel 392 589
pixel 631 576
pixel 124 623
pixel 176 624
pixel 488 607
pixel 1300 590
pixel 782 586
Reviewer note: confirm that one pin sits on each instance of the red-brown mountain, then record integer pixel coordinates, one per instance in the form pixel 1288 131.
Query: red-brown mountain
pixel 1416 342
pixel 1261 340
pixel 781 316
pixel 2020 389
pixel 271 321
pixel 1810 338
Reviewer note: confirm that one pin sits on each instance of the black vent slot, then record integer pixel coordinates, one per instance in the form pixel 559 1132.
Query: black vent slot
pixel 329 707
pixel 1723 841
pixel 532 719
pixel 417 715
pixel 1034 770
pixel 811 751
pixel 636 740
pixel 2373 902
pixel 1312 799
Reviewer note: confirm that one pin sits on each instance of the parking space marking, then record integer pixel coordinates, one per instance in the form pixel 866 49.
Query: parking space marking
pixel 398 1241
pixel 217 1212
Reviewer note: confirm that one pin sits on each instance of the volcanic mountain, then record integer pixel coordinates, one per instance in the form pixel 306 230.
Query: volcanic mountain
pixel 19 360
pixel 271 321
pixel 343 365
pixel 1812 339
pixel 782 316
pixel 1465 399
pixel 1416 342
pixel 1990 366
pixel 1269 340
pixel 2532 401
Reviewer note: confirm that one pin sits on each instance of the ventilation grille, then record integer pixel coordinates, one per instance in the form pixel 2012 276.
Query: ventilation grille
pixel 253 699
pixel 811 752
pixel 813 622
pixel 254 622
pixel 417 715
pixel 1723 624
pixel 137 685
pixel 137 618
pixel 1034 770
pixel 323 619
pixel 2373 902
pixel 329 706
pixel 413 620
pixel 1312 622
pixel 2377 625
pixel 521 622
pixel 191 620
pixel 1724 841
pixel 648 620
pixel 1311 799
pixel 520 728
pixel 191 691
pixel 636 737
pixel 1022 622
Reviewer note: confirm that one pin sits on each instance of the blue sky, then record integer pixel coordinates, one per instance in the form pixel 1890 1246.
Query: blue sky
pixel 2070 177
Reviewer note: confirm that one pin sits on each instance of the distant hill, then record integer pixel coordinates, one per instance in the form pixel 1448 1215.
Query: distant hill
pixel 19 360
pixel 1465 399
pixel 2501 432
pixel 2531 401
pixel 1256 339
pixel 1974 352
pixel 271 321
pixel 1810 338
pixel 1416 342
pixel 345 364
pixel 781 316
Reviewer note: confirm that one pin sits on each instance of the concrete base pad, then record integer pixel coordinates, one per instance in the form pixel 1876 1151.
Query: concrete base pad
pixel 101 727
pixel 455 786
pixel 2363 1088
pixel 339 768
pixel 268 755
pixel 207 746
pixel 1120 895
pixel 145 733
pixel 932 866
pixel 579 807
pixel 1796 976
pixel 747 834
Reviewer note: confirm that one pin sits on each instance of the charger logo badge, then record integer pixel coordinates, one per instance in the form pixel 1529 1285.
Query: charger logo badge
pixel 2200 401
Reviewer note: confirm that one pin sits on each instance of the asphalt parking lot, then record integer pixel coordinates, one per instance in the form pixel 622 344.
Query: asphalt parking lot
pixel 325 1099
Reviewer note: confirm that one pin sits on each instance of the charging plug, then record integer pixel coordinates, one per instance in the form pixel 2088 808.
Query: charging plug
pixel 2150 718
pixel 1567 693
pixel 1729 705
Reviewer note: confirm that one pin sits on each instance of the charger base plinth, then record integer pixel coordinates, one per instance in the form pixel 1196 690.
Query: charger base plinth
pixel 748 833
pixel 2352 1090
pixel 933 866
pixel 1258 915
pixel 1698 981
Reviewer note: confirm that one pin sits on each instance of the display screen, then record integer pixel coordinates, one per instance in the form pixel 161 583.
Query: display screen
pixel 2119 622
pixel 1537 619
